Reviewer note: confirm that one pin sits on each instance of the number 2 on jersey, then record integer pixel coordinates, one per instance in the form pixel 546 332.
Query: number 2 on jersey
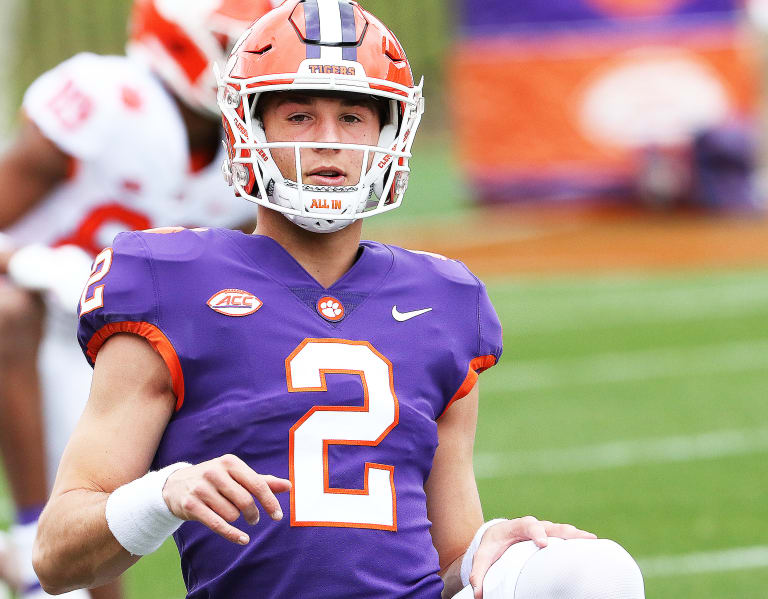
pixel 101 266
pixel 313 501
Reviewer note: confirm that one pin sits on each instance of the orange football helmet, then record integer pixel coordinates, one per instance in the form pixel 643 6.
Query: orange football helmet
pixel 311 46
pixel 180 40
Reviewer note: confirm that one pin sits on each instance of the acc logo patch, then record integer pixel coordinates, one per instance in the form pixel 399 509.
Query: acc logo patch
pixel 234 302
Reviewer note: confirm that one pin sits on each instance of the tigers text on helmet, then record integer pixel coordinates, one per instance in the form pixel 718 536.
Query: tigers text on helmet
pixel 181 40
pixel 313 46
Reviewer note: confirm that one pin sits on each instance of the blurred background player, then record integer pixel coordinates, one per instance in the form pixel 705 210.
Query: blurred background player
pixel 107 143
pixel 227 392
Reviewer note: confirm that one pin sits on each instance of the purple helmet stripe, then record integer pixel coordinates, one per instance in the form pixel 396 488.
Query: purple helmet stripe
pixel 348 32
pixel 312 26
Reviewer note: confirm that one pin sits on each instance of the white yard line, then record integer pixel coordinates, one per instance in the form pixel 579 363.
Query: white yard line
pixel 623 453
pixel 738 356
pixel 741 558
pixel 579 310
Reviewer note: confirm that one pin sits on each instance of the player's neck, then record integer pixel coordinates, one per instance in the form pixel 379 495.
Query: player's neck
pixel 325 256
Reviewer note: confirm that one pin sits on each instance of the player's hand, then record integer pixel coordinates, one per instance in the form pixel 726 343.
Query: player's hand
pixel 498 538
pixel 216 492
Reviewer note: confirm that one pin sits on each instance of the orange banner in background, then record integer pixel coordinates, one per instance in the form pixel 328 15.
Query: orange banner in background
pixel 574 104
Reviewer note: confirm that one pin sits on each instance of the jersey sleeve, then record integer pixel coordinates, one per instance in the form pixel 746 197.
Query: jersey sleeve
pixel 121 297
pixel 489 327
pixel 483 346
pixel 70 105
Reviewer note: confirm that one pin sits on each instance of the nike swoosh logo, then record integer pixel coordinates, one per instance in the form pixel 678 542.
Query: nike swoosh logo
pixel 403 316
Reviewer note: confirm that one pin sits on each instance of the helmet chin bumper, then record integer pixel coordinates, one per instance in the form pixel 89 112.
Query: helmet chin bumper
pixel 323 200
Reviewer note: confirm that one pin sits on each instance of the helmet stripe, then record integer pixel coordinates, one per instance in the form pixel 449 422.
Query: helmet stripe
pixel 330 29
pixel 312 26
pixel 348 32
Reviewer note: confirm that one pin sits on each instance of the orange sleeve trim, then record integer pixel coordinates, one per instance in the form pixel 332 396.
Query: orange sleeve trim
pixel 476 366
pixel 157 340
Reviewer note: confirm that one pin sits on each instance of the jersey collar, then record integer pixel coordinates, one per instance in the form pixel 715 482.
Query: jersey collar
pixel 373 264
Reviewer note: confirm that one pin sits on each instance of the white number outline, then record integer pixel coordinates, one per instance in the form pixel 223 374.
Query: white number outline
pixel 326 442
pixel 89 304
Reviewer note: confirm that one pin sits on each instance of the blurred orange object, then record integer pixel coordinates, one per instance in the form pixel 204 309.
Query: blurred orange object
pixel 569 111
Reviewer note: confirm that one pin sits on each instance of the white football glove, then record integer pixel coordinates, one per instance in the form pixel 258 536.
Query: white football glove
pixel 61 272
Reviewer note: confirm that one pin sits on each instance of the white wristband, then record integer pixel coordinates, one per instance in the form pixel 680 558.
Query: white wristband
pixel 137 514
pixel 466 562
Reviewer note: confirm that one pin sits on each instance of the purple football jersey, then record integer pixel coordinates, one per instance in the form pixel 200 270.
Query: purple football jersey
pixel 338 389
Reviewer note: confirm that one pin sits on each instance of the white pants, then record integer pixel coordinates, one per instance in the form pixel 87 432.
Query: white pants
pixel 65 380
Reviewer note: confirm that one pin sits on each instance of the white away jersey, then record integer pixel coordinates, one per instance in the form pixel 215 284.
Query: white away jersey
pixel 131 157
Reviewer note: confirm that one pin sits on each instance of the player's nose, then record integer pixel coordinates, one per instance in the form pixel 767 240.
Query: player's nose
pixel 328 130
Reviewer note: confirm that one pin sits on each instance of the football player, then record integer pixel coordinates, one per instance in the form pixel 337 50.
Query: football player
pixel 107 143
pixel 299 372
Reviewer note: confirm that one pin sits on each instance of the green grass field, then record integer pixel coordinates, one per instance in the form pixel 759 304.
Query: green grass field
pixel 635 407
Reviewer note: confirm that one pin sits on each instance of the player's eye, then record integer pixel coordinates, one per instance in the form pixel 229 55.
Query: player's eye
pixel 351 118
pixel 299 118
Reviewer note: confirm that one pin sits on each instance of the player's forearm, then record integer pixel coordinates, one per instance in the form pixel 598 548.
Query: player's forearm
pixel 74 546
pixel 29 170
pixel 19 193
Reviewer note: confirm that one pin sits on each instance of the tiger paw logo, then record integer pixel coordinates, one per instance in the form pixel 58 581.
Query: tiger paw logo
pixel 234 302
pixel 330 308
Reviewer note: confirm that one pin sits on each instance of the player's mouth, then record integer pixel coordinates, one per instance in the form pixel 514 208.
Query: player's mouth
pixel 326 175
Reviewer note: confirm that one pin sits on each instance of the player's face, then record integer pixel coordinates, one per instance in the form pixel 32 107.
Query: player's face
pixel 330 119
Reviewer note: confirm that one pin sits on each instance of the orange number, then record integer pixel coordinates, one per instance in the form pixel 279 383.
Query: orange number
pixel 115 215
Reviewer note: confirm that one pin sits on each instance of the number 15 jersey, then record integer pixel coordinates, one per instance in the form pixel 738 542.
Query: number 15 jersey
pixel 338 389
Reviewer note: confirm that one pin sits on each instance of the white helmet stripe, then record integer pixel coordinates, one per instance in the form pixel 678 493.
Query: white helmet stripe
pixel 330 29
